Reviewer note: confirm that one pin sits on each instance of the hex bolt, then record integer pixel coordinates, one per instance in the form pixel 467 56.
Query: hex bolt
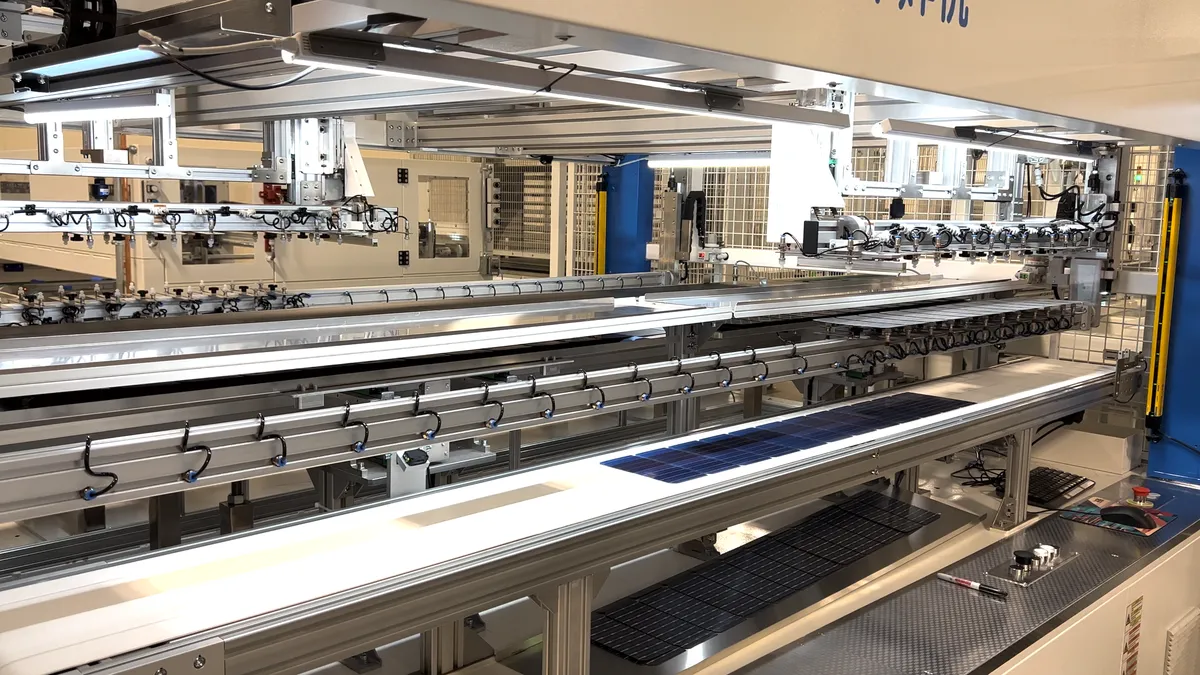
pixel 270 7
pixel 199 662
pixel 161 671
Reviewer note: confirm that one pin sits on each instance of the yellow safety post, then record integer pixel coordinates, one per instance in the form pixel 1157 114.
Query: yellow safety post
pixel 601 222
pixel 1168 256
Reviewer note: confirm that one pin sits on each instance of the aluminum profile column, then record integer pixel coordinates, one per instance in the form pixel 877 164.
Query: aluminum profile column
pixel 630 215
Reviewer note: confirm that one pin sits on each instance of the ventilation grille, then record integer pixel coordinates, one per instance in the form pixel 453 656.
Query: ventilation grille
pixel 1183 646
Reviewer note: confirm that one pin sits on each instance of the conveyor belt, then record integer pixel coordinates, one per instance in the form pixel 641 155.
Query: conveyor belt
pixel 430 552
pixel 667 619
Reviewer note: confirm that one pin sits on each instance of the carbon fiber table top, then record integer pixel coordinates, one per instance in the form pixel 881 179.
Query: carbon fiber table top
pixel 932 627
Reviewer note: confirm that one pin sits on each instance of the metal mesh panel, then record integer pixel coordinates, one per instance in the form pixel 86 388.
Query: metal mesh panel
pixel 439 157
pixel 707 272
pixel 583 221
pixel 737 205
pixel 660 186
pixel 446 203
pixel 1124 318
pixel 524 191
pixel 1137 243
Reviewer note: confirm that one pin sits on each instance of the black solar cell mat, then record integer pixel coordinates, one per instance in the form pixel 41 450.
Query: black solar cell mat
pixel 680 606
pixel 703 589
pixel 694 459
pixel 808 563
pixel 907 511
pixel 688 609
pixel 810 543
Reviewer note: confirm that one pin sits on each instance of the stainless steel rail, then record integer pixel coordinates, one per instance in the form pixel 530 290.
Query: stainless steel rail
pixel 60 478
pixel 38 365
pixel 851 301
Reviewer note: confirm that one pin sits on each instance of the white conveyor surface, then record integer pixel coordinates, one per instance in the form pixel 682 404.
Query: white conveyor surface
pixel 58 624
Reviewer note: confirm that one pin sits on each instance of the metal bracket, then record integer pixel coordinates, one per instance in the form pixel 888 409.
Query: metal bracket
pixel 1012 511
pixel 200 658
pixel 719 100
pixel 401 135
pixel 1128 360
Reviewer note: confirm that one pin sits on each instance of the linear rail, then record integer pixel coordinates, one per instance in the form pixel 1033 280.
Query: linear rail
pixel 82 306
pixel 80 221
pixel 65 477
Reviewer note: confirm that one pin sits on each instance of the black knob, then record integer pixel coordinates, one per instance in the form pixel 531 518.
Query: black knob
pixel 243 288
pixel 141 294
pixel 178 291
pixel 272 286
pixel 1024 557
pixel 72 296
pixel 108 294
pixel 31 296
pixel 213 289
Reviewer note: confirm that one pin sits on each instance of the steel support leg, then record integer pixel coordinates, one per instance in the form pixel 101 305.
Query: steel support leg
pixel 165 514
pixel 566 641
pixel 681 414
pixel 94 518
pixel 909 479
pixel 1016 482
pixel 442 649
pixel 752 402
pixel 514 450
pixel 237 511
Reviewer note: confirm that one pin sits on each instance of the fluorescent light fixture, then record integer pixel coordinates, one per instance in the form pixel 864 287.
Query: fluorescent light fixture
pixel 295 60
pixel 700 160
pixel 411 47
pixel 1043 139
pixel 660 85
pixel 700 112
pixel 346 53
pixel 983 140
pixel 136 107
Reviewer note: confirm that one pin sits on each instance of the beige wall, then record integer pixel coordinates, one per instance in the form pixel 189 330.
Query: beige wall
pixel 299 263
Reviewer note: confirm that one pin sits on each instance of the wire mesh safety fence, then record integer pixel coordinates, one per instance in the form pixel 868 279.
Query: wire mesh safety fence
pixel 522 226
pixel 582 218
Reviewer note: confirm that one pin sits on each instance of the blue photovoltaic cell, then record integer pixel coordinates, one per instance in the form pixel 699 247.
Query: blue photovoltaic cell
pixel 695 459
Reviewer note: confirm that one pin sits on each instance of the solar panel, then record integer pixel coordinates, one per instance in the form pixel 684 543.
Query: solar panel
pixel 665 620
pixel 698 458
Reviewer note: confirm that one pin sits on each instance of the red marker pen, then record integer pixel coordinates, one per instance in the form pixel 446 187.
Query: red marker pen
pixel 974 585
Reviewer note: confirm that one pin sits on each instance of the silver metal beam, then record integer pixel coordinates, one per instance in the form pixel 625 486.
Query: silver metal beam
pixel 367 54
pixel 49 480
